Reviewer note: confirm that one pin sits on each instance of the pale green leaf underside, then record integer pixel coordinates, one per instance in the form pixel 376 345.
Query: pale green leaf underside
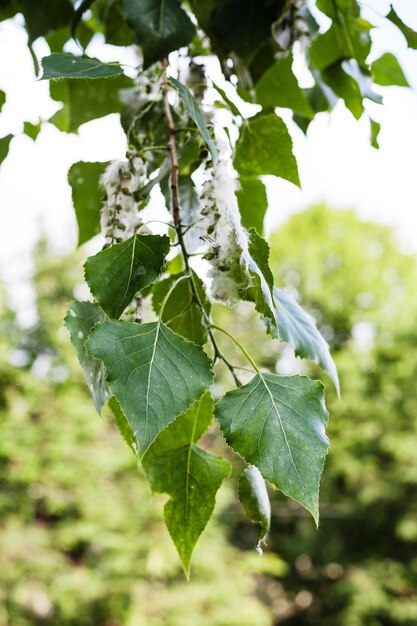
pixel 116 274
pixel 255 500
pixel 193 109
pixel 299 329
pixel 80 319
pixel 57 66
pixel 190 475
pixel 154 373
pixel 277 423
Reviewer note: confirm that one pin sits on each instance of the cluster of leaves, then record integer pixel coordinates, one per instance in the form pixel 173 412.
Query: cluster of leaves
pixel 156 373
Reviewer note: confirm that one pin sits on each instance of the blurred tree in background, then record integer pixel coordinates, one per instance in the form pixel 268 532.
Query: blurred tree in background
pixel 82 544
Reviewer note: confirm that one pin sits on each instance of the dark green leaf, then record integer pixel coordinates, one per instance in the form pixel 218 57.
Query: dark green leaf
pixel 44 16
pixel 2 99
pixel 154 373
pixel 345 87
pixel 80 319
pixel 190 475
pixel 116 274
pixel 278 87
pixel 84 179
pixel 161 26
pixel 193 109
pixel 387 71
pixel 277 423
pixel 181 313
pixel 31 130
pixel 253 203
pixel 255 500
pixel 409 33
pixel 69 66
pixel 265 147
pixel 78 14
pixel 299 329
pixel 85 100
pixel 4 146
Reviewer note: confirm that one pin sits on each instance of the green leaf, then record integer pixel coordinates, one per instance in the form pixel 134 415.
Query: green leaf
pixel 277 423
pixel 58 66
pixel 116 274
pixel 85 100
pixel 80 319
pixel 299 329
pixel 253 203
pixel 278 87
pixel 255 500
pixel 190 475
pixel 345 87
pixel 265 147
pixel 4 146
pixel 154 373
pixel 31 130
pixel 193 109
pixel 387 71
pixel 84 179
pixel 233 108
pixel 375 129
pixel 181 313
pixel 343 40
pixel 2 99
pixel 409 34
pixel 161 26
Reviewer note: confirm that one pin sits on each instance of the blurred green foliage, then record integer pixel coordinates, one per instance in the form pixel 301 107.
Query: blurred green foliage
pixel 81 541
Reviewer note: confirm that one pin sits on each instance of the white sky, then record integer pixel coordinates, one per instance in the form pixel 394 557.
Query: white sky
pixel 335 161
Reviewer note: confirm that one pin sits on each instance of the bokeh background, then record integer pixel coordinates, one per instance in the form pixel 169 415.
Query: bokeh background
pixel 82 540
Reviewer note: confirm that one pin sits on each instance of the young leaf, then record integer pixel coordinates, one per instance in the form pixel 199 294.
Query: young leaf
pixel 80 319
pixel 154 373
pixel 161 26
pixel 387 71
pixel 255 500
pixel 181 312
pixel 277 423
pixel 265 147
pixel 31 130
pixel 69 66
pixel 4 147
pixel 190 475
pixel 193 109
pixel 278 87
pixel 299 329
pixel 116 274
pixel 253 203
pixel 84 179
pixel 409 34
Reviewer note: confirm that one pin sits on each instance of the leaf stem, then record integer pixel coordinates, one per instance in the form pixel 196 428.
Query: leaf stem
pixel 239 345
